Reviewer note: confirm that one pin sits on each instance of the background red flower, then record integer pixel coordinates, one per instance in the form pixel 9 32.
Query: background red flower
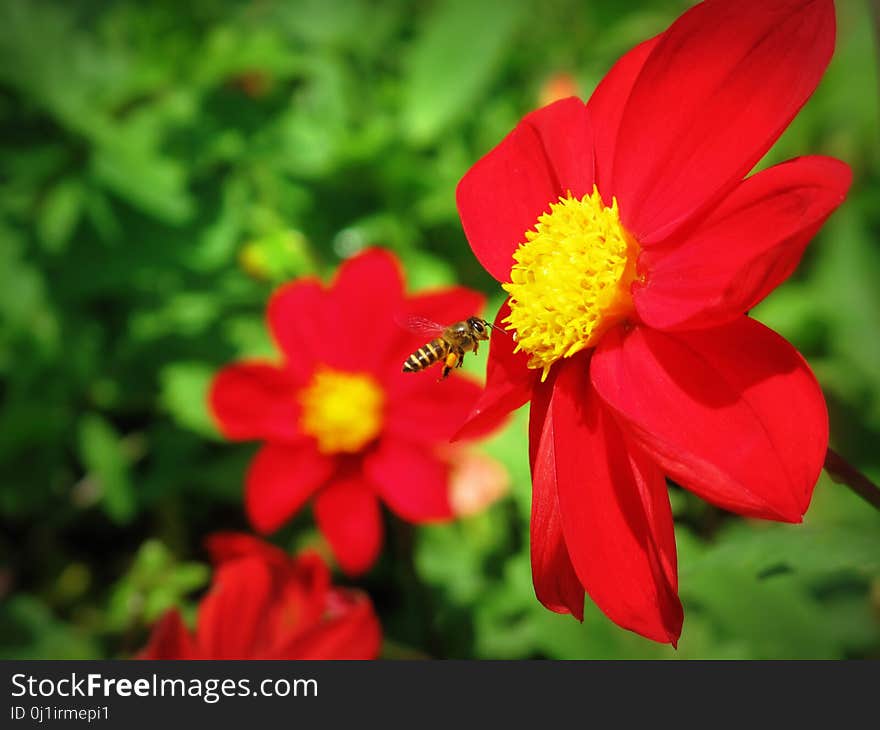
pixel 342 424
pixel 263 604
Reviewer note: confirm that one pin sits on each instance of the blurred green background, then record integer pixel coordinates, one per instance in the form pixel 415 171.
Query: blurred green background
pixel 165 165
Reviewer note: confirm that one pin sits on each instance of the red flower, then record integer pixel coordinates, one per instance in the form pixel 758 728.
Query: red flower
pixel 264 604
pixel 632 248
pixel 341 421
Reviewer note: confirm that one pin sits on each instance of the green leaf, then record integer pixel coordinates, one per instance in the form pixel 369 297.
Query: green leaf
pixel 776 589
pixel 28 630
pixel 445 557
pixel 777 618
pixel 220 237
pixel 427 271
pixel 59 215
pixel 184 393
pixel 457 52
pixel 155 582
pixel 103 454
pixel 24 306
pixel 279 256
pixel 141 177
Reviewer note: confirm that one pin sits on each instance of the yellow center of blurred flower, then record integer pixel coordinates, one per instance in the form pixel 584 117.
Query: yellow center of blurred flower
pixel 343 411
pixel 571 280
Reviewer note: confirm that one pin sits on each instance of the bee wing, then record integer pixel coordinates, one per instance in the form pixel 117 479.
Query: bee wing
pixel 420 325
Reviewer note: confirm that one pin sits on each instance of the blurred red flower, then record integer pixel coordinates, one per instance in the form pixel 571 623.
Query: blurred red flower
pixel 632 248
pixel 264 604
pixel 342 423
pixel 560 85
pixel 477 481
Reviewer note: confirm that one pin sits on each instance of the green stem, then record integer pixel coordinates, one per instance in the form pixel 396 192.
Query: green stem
pixel 842 472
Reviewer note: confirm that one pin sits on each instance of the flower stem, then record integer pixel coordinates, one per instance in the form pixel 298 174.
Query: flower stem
pixel 842 472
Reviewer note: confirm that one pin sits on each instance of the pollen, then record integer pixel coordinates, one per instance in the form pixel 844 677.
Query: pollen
pixel 571 280
pixel 343 411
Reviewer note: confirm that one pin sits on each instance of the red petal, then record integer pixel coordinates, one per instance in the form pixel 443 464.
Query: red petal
pixel 299 601
pixel 732 413
pixel 226 546
pixel 556 583
pixel 355 634
pixel 251 400
pixel 299 324
pixel 361 304
pixel 548 154
pixel 280 480
pixel 231 615
pixel 607 103
pixel 743 249
pixel 411 480
pixel 719 87
pixel 331 326
pixel 447 305
pixel 169 639
pixel 347 512
pixel 615 511
pixel 430 412
pixel 509 382
pixel 310 576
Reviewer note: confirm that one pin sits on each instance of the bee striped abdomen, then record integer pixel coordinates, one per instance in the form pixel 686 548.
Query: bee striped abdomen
pixel 426 355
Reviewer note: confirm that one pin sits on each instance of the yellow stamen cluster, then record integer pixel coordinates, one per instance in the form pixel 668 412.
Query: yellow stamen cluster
pixel 571 280
pixel 343 411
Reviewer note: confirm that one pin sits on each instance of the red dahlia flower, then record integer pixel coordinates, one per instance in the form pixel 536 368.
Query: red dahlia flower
pixel 632 248
pixel 264 604
pixel 340 420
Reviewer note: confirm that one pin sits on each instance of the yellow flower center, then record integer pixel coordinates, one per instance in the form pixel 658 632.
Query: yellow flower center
pixel 571 280
pixel 343 411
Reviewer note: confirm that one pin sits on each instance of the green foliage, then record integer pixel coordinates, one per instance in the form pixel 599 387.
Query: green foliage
pixel 184 393
pixel 29 631
pixel 163 166
pixel 450 65
pixel 104 456
pixel 155 583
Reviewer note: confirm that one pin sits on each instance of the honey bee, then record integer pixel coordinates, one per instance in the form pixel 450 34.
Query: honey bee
pixel 449 345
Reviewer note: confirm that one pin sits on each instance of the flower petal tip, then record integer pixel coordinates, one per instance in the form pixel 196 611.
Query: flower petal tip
pixel 575 611
pixel 468 429
pixel 261 523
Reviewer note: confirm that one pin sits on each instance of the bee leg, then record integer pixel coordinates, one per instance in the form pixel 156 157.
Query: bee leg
pixel 453 360
pixel 476 347
pixel 460 354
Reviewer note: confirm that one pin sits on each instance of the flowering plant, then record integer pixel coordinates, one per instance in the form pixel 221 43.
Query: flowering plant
pixel 632 247
pixel 342 424
pixel 264 604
